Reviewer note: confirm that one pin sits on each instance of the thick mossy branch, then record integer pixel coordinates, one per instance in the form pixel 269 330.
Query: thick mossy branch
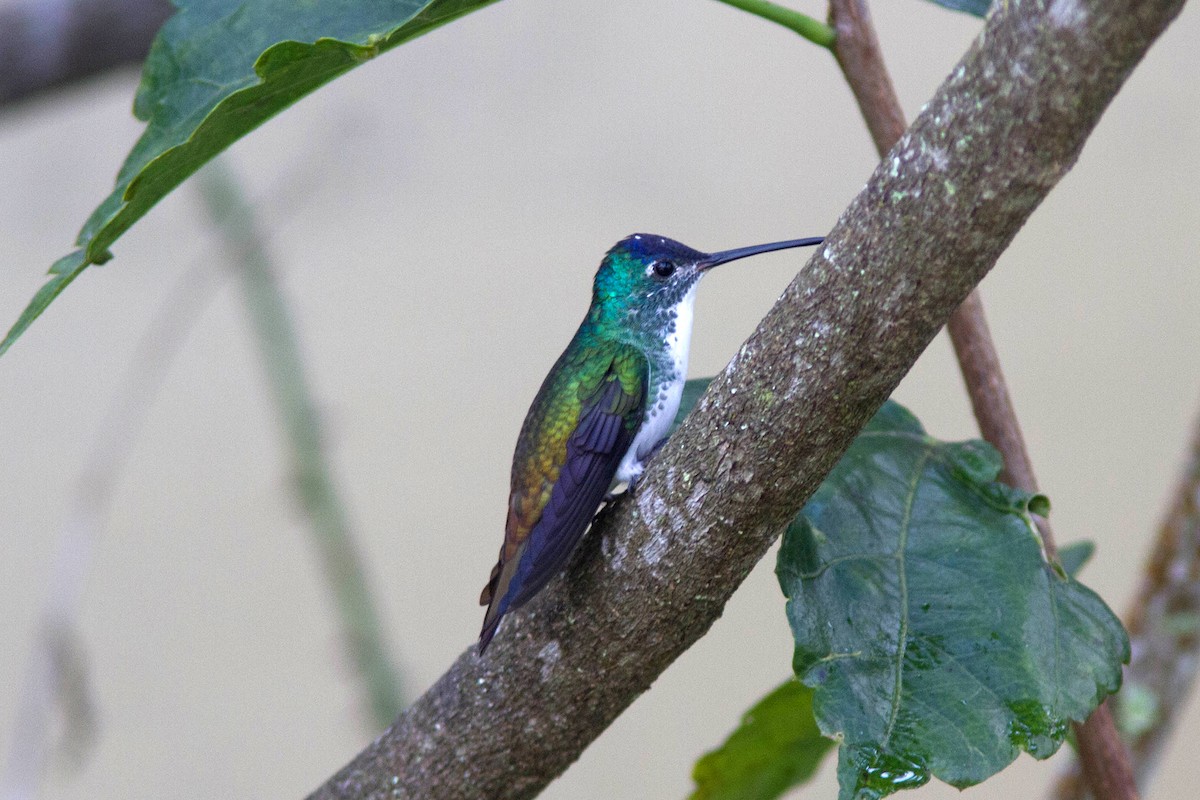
pixel 657 571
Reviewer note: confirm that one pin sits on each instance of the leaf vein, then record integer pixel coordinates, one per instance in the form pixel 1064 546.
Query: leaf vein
pixel 902 637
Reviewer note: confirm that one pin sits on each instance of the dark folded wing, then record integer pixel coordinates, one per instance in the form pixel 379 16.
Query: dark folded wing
pixel 607 425
pixel 594 452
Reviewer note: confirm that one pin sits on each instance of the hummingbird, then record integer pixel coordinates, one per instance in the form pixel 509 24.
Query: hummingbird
pixel 603 410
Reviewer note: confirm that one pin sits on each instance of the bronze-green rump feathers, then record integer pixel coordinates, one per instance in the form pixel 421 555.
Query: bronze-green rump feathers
pixel 587 412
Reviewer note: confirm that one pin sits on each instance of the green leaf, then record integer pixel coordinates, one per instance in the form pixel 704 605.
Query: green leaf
pixel 1075 556
pixel 978 8
pixel 777 746
pixel 218 70
pixel 64 271
pixel 937 638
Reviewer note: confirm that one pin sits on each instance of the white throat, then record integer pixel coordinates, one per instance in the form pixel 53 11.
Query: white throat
pixel 668 372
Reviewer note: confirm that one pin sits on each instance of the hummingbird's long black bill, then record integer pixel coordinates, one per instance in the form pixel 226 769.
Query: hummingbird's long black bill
pixel 725 256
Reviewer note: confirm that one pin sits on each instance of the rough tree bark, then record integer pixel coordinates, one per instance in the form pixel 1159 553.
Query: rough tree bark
pixel 1004 128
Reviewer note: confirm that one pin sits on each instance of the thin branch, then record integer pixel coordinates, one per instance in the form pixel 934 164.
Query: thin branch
pixel 47 671
pixel 53 664
pixel 858 54
pixel 1163 620
pixel 1164 631
pixel 47 45
pixel 980 365
pixel 1103 756
pixel 314 486
pixel 993 407
pixel 658 569
pixel 814 30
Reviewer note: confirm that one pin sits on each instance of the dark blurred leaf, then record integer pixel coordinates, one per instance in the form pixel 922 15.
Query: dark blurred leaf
pixel 1075 556
pixel 776 747
pixel 936 637
pixel 691 393
pixel 977 7
pixel 218 70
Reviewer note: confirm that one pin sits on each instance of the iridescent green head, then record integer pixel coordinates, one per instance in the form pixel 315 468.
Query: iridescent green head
pixel 645 275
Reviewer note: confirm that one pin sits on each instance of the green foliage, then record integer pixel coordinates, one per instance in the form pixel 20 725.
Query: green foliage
pixel 777 746
pixel 1075 556
pixel 811 29
pixel 977 7
pixel 937 638
pixel 219 69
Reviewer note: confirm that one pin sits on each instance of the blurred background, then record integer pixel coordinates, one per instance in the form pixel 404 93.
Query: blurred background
pixel 436 217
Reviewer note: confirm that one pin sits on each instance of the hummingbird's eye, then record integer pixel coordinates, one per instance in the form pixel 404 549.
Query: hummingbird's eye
pixel 663 269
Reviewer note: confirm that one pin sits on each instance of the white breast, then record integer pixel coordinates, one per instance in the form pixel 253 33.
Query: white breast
pixel 667 376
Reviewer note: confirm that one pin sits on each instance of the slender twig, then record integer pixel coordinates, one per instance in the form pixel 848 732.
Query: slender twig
pixel 53 663
pixel 1103 756
pixel 1164 631
pixel 858 54
pixel 1163 619
pixel 313 483
pixel 47 670
pixel 980 365
pixel 814 30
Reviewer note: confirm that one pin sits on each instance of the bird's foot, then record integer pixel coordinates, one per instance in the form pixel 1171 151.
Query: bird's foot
pixel 614 494
pixel 637 479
